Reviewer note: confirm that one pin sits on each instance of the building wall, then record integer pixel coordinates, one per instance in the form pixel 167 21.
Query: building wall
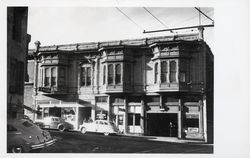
pixel 17 47
pixel 135 98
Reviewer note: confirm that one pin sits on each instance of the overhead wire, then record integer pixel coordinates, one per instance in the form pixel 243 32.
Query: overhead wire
pixel 157 19
pixel 128 17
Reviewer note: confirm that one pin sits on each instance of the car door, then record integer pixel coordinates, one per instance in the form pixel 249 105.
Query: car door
pixel 101 127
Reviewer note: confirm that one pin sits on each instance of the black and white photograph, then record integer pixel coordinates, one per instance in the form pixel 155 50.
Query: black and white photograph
pixel 119 79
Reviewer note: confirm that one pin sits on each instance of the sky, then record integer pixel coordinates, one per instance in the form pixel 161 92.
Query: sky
pixel 66 25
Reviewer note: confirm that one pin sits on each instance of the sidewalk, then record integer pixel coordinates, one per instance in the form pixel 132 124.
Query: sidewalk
pixel 167 139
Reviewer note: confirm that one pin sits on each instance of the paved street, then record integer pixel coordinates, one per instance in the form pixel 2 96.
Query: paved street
pixel 76 142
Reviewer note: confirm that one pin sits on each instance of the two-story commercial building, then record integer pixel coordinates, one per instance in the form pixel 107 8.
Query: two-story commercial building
pixel 161 86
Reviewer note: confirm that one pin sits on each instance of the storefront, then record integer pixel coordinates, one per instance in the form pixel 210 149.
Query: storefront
pixel 73 113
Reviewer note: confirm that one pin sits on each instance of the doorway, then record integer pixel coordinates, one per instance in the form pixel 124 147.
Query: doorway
pixel 162 124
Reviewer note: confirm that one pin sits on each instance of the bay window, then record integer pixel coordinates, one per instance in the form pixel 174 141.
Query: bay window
pixel 172 71
pixel 114 74
pixel 164 71
pixel 110 74
pixel 156 72
pixel 168 72
pixel 117 74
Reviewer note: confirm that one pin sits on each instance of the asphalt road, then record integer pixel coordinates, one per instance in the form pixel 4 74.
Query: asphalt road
pixel 76 142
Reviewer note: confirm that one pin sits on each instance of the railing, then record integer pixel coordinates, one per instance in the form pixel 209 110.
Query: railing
pixel 57 90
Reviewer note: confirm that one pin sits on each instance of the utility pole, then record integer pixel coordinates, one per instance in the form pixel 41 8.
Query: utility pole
pixel 35 88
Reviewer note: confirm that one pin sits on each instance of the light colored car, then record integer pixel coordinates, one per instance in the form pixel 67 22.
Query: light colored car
pixel 24 136
pixel 54 123
pixel 99 126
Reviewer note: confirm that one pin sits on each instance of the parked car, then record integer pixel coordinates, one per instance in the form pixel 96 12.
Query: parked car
pixel 24 136
pixel 99 126
pixel 54 123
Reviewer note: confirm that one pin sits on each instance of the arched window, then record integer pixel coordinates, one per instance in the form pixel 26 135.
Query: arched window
pixel 164 71
pixel 156 72
pixel 172 71
pixel 117 73
pixel 104 74
pixel 110 74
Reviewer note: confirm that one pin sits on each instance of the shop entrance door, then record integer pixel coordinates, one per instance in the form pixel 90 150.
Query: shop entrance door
pixel 162 124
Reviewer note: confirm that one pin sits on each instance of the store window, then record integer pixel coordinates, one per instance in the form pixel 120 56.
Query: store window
pixel 85 76
pixel 134 119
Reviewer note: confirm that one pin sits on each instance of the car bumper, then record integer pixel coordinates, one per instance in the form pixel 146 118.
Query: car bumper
pixel 42 145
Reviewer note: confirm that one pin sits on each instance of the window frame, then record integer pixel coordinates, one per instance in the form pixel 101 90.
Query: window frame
pixel 86 76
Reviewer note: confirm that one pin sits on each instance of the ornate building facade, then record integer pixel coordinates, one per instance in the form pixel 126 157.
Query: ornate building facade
pixel 161 86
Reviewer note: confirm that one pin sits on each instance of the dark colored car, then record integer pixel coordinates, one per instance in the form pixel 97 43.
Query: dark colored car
pixel 25 136
pixel 54 123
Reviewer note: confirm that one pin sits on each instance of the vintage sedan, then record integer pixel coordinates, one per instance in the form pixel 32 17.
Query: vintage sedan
pixel 24 136
pixel 54 123
pixel 99 126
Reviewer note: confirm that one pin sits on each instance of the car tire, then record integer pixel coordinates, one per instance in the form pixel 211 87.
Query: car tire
pixel 16 149
pixel 106 133
pixel 83 130
pixel 61 128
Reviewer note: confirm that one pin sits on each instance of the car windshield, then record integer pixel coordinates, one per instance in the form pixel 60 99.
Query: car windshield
pixel 27 124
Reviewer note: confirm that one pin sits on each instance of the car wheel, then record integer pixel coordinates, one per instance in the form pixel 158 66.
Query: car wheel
pixel 83 130
pixel 16 149
pixel 106 133
pixel 61 128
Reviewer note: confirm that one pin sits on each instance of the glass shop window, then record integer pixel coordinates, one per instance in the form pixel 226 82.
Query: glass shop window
pixel 133 119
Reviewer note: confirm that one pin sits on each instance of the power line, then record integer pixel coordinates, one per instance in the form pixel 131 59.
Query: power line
pixel 128 17
pixel 157 18
pixel 204 14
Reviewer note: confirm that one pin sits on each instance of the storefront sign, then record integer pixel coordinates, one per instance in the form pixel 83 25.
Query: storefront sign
pixel 193 129
pixel 101 115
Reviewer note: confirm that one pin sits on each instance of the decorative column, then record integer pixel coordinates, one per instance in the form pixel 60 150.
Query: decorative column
pixel 180 118
pixel 205 118
pixel 125 115
pixel 142 120
pixel 35 88
pixel 201 125
pixel 109 108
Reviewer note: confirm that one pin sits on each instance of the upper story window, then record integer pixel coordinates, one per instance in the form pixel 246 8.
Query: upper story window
pixel 156 72
pixel 114 78
pixel 104 74
pixel 85 76
pixel 117 74
pixel 168 72
pixel 54 76
pixel 164 71
pixel 110 74
pixel 173 71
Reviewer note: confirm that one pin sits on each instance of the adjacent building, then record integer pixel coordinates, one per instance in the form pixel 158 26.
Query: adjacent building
pixel 17 49
pixel 161 86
